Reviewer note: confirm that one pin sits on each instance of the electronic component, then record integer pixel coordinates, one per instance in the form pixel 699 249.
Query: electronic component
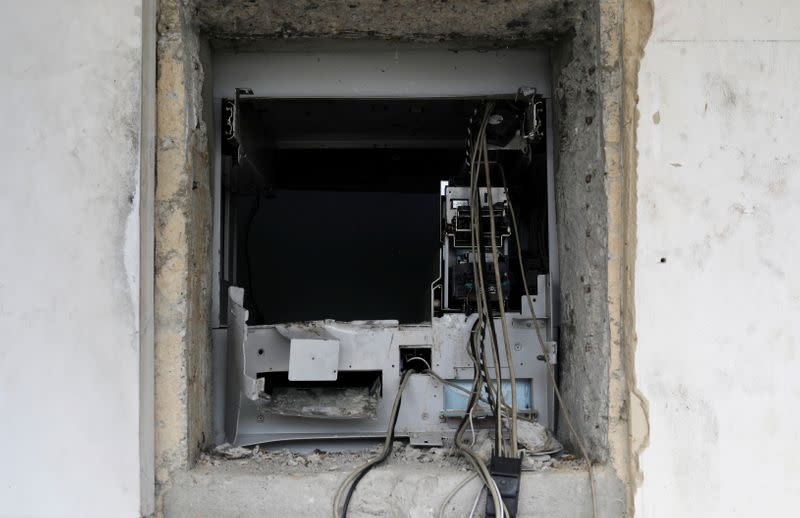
pixel 320 353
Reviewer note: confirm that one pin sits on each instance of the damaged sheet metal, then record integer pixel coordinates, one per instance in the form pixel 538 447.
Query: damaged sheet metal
pixel 264 404
pixel 239 384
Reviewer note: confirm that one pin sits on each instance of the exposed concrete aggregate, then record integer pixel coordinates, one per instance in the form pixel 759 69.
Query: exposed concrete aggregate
pixel 530 20
pixel 413 482
pixel 278 459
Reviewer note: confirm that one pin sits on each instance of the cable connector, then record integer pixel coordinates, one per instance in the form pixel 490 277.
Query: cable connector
pixel 506 473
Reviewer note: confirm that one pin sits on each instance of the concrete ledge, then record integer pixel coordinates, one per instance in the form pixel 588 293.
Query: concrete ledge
pixel 244 488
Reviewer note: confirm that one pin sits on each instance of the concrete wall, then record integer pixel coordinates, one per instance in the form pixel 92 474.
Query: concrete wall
pixel 183 212
pixel 719 201
pixel 70 197
pixel 582 221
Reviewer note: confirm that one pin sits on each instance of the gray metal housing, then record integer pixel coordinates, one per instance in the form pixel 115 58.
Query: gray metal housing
pixel 375 346
pixel 345 71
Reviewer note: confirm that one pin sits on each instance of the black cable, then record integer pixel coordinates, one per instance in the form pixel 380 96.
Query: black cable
pixel 387 450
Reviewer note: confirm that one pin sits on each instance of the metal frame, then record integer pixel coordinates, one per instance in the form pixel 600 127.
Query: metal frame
pixel 373 345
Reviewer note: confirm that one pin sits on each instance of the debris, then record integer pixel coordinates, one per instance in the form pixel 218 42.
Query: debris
pixel 324 402
pixel 484 443
pixel 228 451
pixel 270 459
pixel 535 438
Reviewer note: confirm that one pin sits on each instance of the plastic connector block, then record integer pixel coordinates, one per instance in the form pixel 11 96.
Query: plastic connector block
pixel 506 472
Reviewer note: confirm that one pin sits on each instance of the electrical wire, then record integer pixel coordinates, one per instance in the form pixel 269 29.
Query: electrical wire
pixel 454 492
pixel 476 344
pixel 354 478
pixel 449 383
pixel 420 358
pixel 471 428
pixel 475 347
pixel 500 302
pixel 475 504
pixel 546 353
pixel 479 466
pixel 484 309
pixel 350 483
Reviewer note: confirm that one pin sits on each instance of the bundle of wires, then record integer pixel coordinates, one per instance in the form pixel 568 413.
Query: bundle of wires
pixel 479 159
pixel 350 483
pixel 483 326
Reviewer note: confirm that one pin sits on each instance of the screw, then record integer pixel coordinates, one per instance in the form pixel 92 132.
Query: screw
pixel 517 347
pixel 260 418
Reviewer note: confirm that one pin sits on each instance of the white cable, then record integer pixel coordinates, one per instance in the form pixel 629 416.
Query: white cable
pixel 475 504
pixel 471 428
pixel 423 360
pixel 387 447
pixel 500 302
pixel 482 304
pixel 453 493
pixel 478 273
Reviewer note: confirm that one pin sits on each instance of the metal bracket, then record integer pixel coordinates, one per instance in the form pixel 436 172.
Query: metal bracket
pixel 552 353
pixel 313 360
pixel 534 121
pixel 233 130
pixel 425 439
pixel 526 91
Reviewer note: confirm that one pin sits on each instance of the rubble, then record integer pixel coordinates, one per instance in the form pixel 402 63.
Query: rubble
pixel 278 459
pixel 535 438
pixel 228 451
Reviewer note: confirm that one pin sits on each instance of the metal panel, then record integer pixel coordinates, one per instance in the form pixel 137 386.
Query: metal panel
pixel 216 245
pixel 554 281
pixel 240 385
pixel 380 70
pixel 375 346
pixel 311 359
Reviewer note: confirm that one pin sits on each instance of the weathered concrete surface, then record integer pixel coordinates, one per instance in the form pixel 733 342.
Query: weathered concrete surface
pixel 582 218
pixel 182 254
pixel 528 20
pixel 70 371
pixel 413 490
pixel 717 288
pixel 630 433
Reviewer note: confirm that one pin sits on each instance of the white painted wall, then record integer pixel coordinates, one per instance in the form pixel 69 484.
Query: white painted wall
pixel 70 82
pixel 718 324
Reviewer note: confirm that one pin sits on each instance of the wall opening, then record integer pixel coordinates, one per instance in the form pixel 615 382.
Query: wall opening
pixel 351 208
pixel 302 160
pixel 336 211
